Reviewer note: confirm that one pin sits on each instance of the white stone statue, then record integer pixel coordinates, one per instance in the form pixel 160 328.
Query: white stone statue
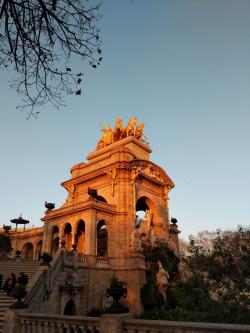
pixel 145 223
pixel 162 278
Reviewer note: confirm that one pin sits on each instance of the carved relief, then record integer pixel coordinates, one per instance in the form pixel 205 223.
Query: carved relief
pixel 152 173
pixel 145 235
pixel 134 174
pixel 148 171
pixel 135 242
pixel 71 188
pixel 112 174
pixel 166 191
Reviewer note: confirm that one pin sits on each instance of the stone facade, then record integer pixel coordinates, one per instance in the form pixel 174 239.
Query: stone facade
pixel 28 241
pixel 99 217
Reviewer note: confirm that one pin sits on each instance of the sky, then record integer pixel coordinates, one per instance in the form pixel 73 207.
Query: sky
pixel 181 67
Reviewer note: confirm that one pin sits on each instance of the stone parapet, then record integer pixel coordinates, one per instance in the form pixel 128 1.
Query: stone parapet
pixel 19 321
pixel 140 150
pixel 160 326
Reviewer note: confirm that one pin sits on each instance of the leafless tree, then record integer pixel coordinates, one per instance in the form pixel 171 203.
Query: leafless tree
pixel 40 39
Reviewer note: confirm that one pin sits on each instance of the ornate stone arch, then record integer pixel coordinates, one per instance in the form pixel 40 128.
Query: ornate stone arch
pixel 145 204
pixel 152 171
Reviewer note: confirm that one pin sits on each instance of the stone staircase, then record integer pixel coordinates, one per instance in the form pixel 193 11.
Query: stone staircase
pixel 29 267
pixel 5 302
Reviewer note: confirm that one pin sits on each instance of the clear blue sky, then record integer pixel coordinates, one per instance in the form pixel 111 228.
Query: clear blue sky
pixel 183 68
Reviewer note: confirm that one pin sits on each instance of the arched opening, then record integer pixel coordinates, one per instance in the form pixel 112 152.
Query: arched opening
pixel 145 209
pixel 102 239
pixel 70 309
pixel 80 236
pixel 5 246
pixel 54 240
pixel 38 249
pixel 27 251
pixel 67 235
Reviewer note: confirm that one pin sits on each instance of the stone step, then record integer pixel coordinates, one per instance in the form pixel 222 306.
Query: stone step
pixel 7 267
pixel 28 267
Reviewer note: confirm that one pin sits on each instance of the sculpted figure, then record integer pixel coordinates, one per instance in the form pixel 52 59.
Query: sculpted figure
pixel 107 137
pixel 167 188
pixel 117 133
pixel 162 278
pixel 134 241
pixel 148 217
pixel 111 135
pixel 145 223
pixel 139 132
pixel 71 188
pixel 130 128
pixel 134 174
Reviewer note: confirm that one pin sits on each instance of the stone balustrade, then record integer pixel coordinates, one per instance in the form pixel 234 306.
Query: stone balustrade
pixel 86 260
pixel 42 282
pixel 103 261
pixel 39 323
pixel 162 326
pixel 82 258
pixel 7 259
pixel 19 321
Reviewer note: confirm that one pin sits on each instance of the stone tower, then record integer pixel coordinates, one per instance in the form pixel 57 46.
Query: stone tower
pixel 99 214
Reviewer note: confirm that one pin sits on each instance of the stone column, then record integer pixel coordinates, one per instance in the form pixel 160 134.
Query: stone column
pixel 90 232
pixel 46 245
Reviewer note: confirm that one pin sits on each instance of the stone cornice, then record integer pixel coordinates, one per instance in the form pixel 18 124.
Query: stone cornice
pixel 117 144
pixel 75 208
pixel 96 173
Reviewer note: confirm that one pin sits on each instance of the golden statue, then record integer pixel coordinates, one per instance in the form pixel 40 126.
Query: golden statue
pixel 117 133
pixel 107 137
pixel 130 129
pixel 110 135
pixel 139 131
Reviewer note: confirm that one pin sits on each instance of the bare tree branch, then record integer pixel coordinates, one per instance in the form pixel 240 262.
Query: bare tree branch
pixel 38 39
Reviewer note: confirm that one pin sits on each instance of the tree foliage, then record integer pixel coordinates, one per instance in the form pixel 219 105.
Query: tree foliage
pixel 150 296
pixel 213 283
pixel 225 267
pixel 39 38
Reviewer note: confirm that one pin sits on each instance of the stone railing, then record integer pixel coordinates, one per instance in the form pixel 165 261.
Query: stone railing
pixel 162 326
pixel 103 261
pixel 37 323
pixel 20 321
pixel 6 259
pixel 40 286
pixel 82 258
pixel 36 290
